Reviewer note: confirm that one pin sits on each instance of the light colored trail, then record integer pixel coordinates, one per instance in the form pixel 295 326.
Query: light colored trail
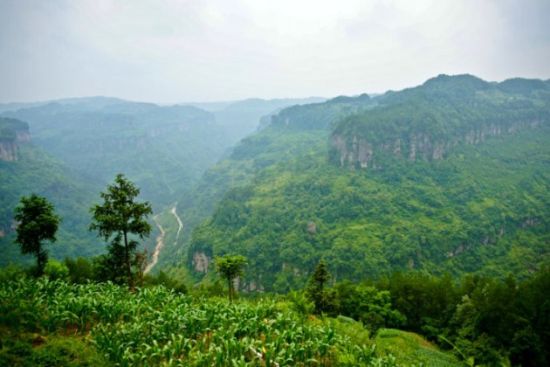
pixel 158 247
pixel 180 223
pixel 160 239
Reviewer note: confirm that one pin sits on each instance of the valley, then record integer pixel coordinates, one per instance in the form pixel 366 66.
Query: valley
pixel 437 192
pixel 246 183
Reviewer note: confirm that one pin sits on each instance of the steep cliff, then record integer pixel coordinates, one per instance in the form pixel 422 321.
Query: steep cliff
pixel 12 133
pixel 454 179
pixel 426 122
pixel 358 152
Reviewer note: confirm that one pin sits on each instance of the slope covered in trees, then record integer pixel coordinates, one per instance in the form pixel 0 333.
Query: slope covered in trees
pixel 37 172
pixel 78 145
pixel 479 205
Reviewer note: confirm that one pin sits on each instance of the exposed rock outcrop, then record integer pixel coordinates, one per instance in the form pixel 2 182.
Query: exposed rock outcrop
pixel 356 152
pixel 201 262
pixel 12 133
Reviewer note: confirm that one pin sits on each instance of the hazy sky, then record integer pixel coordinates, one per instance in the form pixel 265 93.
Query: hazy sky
pixel 175 51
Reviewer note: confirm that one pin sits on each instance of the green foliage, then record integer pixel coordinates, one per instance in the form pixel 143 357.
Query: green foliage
pixel 427 302
pixel 230 267
pixel 119 217
pixel 56 270
pixel 411 349
pixel 490 321
pixel 80 270
pixel 367 304
pixel 10 127
pixel 37 222
pixel 155 326
pixel 316 287
pixel 31 350
pixel 166 281
pixel 37 172
pixel 301 302
pixel 483 208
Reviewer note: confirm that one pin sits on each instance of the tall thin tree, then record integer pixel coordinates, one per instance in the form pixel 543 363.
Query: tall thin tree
pixel 230 267
pixel 121 216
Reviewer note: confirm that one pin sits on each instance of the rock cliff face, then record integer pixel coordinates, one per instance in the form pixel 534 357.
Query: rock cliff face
pixel 201 262
pixel 356 152
pixel 12 133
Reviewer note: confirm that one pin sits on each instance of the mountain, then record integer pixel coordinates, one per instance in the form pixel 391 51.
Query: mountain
pixel 87 141
pixel 12 134
pixel 160 148
pixel 27 169
pixel 450 176
pixel 243 116
pixel 250 156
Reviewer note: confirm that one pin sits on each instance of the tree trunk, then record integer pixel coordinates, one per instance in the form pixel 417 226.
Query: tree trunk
pixel 230 289
pixel 127 262
pixel 41 260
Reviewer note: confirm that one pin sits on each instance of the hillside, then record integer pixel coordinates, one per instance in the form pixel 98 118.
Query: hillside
pixel 49 322
pixel 329 181
pixel 31 170
pixel 163 149
pixel 254 153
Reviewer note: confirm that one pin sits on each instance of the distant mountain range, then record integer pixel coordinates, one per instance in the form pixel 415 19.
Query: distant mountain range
pixel 85 142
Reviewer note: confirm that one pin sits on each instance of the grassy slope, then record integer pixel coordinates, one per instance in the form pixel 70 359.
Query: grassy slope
pixel 412 349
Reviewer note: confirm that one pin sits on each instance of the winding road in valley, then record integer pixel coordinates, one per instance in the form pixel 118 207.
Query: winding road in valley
pixel 160 238
pixel 180 223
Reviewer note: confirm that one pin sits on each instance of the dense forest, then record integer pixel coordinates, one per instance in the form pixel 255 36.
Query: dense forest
pixel 70 148
pixel 480 205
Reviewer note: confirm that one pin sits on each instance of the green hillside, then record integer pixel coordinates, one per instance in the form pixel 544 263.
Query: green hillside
pixel 37 172
pixel 163 149
pixel 54 323
pixel 479 205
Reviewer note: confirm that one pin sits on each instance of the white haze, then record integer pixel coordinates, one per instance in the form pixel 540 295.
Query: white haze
pixel 175 51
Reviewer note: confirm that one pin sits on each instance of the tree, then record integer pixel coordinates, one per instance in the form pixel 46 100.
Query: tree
pixel 119 217
pixel 230 267
pixel 316 286
pixel 37 222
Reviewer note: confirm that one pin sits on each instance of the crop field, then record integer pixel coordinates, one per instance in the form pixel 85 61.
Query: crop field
pixel 157 327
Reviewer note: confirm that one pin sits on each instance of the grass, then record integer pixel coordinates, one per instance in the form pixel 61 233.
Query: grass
pixel 56 350
pixel 412 349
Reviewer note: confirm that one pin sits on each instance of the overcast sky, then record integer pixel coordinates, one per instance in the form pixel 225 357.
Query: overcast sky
pixel 176 51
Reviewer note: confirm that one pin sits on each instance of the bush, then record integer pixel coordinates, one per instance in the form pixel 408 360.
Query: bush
pixel 56 270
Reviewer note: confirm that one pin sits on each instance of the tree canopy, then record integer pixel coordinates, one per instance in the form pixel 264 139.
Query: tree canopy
pixel 119 217
pixel 37 222
pixel 230 267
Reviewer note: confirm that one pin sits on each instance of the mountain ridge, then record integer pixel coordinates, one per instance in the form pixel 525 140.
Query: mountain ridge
pixel 292 203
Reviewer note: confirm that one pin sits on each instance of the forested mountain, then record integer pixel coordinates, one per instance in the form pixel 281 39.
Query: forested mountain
pixel 451 176
pixel 162 148
pixel 80 144
pixel 243 116
pixel 26 169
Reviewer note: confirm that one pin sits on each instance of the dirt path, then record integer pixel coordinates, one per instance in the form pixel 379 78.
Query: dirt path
pixel 160 239
pixel 158 247
pixel 180 223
